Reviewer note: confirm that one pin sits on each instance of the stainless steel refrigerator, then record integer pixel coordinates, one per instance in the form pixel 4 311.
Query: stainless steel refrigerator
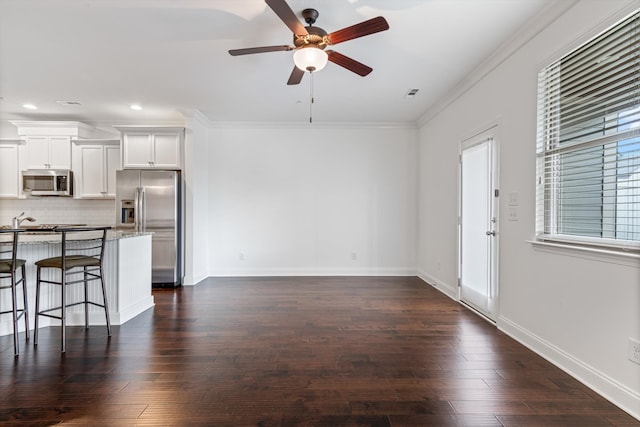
pixel 151 201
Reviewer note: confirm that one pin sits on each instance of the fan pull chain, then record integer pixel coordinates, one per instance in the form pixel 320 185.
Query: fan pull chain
pixel 311 100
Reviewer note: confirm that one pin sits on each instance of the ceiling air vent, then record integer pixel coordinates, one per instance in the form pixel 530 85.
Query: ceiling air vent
pixel 411 93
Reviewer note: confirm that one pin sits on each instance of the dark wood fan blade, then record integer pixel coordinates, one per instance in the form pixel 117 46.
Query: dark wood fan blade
pixel 250 50
pixel 348 63
pixel 374 25
pixel 284 12
pixel 296 76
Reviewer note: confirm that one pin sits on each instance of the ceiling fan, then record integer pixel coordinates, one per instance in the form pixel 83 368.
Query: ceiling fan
pixel 310 42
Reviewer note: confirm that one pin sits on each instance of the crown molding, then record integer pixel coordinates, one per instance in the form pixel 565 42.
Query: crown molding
pixel 196 116
pixel 313 126
pixel 537 24
pixel 50 124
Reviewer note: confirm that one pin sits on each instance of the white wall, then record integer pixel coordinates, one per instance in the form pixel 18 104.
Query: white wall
pixel 301 200
pixel 196 197
pixel 576 309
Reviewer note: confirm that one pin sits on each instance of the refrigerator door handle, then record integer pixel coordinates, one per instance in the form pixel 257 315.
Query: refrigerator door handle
pixel 136 214
pixel 143 211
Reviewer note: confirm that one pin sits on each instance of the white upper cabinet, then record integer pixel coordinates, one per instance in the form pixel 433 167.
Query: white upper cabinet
pixel 137 150
pixel 167 147
pixel 48 152
pixel 151 147
pixel 48 144
pixel 95 164
pixel 9 169
pixel 112 164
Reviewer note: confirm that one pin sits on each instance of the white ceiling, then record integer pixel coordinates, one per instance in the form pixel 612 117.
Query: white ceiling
pixel 171 56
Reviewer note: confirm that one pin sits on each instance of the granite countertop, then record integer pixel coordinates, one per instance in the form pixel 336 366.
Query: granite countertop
pixel 44 234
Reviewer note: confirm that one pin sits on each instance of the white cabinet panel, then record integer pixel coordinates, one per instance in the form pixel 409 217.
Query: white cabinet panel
pixel 95 169
pixel 148 148
pixel 9 171
pixel 48 152
pixel 166 150
pixel 90 174
pixel 60 152
pixel 112 164
pixel 137 150
pixel 37 152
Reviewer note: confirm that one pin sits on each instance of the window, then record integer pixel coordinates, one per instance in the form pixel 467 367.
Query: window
pixel 588 142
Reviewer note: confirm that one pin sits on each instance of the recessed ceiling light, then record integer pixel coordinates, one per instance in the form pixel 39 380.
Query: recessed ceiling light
pixel 135 107
pixel 30 106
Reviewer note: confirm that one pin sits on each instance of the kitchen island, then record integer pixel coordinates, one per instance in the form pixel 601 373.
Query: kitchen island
pixel 127 273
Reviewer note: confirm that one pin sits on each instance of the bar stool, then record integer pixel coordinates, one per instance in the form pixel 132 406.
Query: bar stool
pixel 9 266
pixel 80 261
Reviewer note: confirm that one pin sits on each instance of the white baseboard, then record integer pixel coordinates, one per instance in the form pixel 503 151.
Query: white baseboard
pixel 6 328
pixel 620 395
pixel 447 289
pixel 194 280
pixel 288 272
pixel 133 310
pixel 116 318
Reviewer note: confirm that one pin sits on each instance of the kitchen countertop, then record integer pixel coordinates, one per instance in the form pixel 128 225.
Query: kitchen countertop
pixel 47 235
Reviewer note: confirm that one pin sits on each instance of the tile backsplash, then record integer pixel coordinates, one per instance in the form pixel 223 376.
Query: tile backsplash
pixel 59 210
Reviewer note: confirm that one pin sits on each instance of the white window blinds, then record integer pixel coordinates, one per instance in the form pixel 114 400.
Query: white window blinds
pixel 588 142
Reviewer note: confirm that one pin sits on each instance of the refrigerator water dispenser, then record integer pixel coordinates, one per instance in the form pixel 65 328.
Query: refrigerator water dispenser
pixel 127 212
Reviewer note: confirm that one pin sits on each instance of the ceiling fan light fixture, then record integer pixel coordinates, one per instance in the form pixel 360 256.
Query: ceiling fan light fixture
pixel 310 59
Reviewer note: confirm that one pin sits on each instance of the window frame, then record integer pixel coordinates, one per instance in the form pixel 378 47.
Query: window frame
pixel 550 149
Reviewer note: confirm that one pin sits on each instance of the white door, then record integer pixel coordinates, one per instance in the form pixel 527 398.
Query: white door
pixel 479 224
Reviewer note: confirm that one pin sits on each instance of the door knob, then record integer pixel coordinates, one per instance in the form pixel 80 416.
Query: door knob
pixel 491 233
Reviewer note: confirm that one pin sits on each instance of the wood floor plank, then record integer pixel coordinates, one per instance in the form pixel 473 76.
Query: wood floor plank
pixel 295 351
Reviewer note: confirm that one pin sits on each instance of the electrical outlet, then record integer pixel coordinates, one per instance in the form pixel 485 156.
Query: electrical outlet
pixel 354 256
pixel 241 256
pixel 634 350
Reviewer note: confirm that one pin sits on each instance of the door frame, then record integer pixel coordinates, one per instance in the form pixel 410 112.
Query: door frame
pixel 490 132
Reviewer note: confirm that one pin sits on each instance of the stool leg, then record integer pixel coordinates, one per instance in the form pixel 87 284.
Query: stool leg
pixel 35 326
pixel 63 314
pixel 86 298
pixel 106 304
pixel 14 302
pixel 25 308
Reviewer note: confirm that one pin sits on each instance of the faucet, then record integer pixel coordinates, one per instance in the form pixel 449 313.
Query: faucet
pixel 17 220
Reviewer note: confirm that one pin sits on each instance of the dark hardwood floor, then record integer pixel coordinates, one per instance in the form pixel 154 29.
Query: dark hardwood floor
pixel 295 351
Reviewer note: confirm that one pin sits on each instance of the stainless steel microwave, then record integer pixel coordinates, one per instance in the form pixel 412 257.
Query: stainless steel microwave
pixel 47 182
